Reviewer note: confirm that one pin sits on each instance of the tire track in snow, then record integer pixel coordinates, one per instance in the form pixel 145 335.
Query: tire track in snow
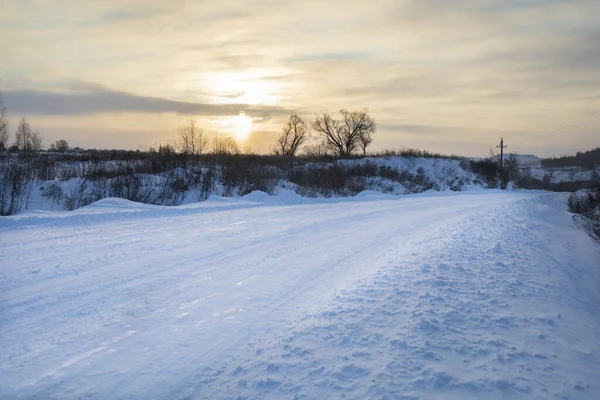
pixel 454 317
pixel 298 268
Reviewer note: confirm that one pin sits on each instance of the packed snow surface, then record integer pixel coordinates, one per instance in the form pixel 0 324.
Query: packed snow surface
pixel 483 294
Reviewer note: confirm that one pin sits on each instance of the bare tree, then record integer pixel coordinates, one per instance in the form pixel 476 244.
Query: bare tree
pixel 366 136
pixel 191 139
pixel 331 132
pixel 23 134
pixel 293 135
pixel 166 149
pixel 3 126
pixel 248 150
pixel 359 129
pixel 25 139
pixel 225 145
pixel 60 146
pixel 345 135
pixel 36 141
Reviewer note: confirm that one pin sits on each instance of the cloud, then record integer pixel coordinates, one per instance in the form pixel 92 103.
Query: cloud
pixel 332 56
pixel 95 99
pixel 514 66
pixel 119 15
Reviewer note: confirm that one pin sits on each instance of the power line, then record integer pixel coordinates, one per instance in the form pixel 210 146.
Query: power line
pixel 589 115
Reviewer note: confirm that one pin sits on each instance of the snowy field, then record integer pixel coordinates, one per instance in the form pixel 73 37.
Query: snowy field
pixel 483 295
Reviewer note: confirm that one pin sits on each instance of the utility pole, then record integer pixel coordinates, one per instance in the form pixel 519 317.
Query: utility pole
pixel 502 147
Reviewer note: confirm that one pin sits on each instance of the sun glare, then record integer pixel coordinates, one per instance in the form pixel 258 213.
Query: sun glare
pixel 243 87
pixel 243 126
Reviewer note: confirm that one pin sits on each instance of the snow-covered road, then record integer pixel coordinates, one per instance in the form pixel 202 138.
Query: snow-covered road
pixel 472 295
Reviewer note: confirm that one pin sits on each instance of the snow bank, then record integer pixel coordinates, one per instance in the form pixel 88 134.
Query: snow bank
pixel 178 187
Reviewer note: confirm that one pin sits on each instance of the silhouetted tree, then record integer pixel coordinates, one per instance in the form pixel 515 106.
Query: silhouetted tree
pixel 344 136
pixel 60 146
pixel 293 135
pixel 225 145
pixel 366 137
pixel 3 126
pixel 191 139
pixel 587 159
pixel 25 139
pixel 166 149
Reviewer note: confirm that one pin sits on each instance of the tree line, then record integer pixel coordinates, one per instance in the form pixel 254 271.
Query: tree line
pixel 352 132
pixel 342 137
pixel 586 159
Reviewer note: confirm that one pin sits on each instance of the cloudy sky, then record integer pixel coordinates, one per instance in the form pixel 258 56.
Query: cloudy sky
pixel 451 76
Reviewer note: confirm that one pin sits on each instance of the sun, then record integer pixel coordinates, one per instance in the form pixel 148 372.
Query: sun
pixel 243 126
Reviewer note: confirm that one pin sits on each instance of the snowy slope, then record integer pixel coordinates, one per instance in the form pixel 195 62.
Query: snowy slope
pixel 443 173
pixel 530 165
pixel 521 158
pixel 560 174
pixel 469 295
pixel 415 175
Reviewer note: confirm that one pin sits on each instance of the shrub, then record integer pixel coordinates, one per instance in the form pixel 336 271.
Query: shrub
pixel 14 180
pixel 488 169
pixel 52 191
pixel 587 208
pixel 179 185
